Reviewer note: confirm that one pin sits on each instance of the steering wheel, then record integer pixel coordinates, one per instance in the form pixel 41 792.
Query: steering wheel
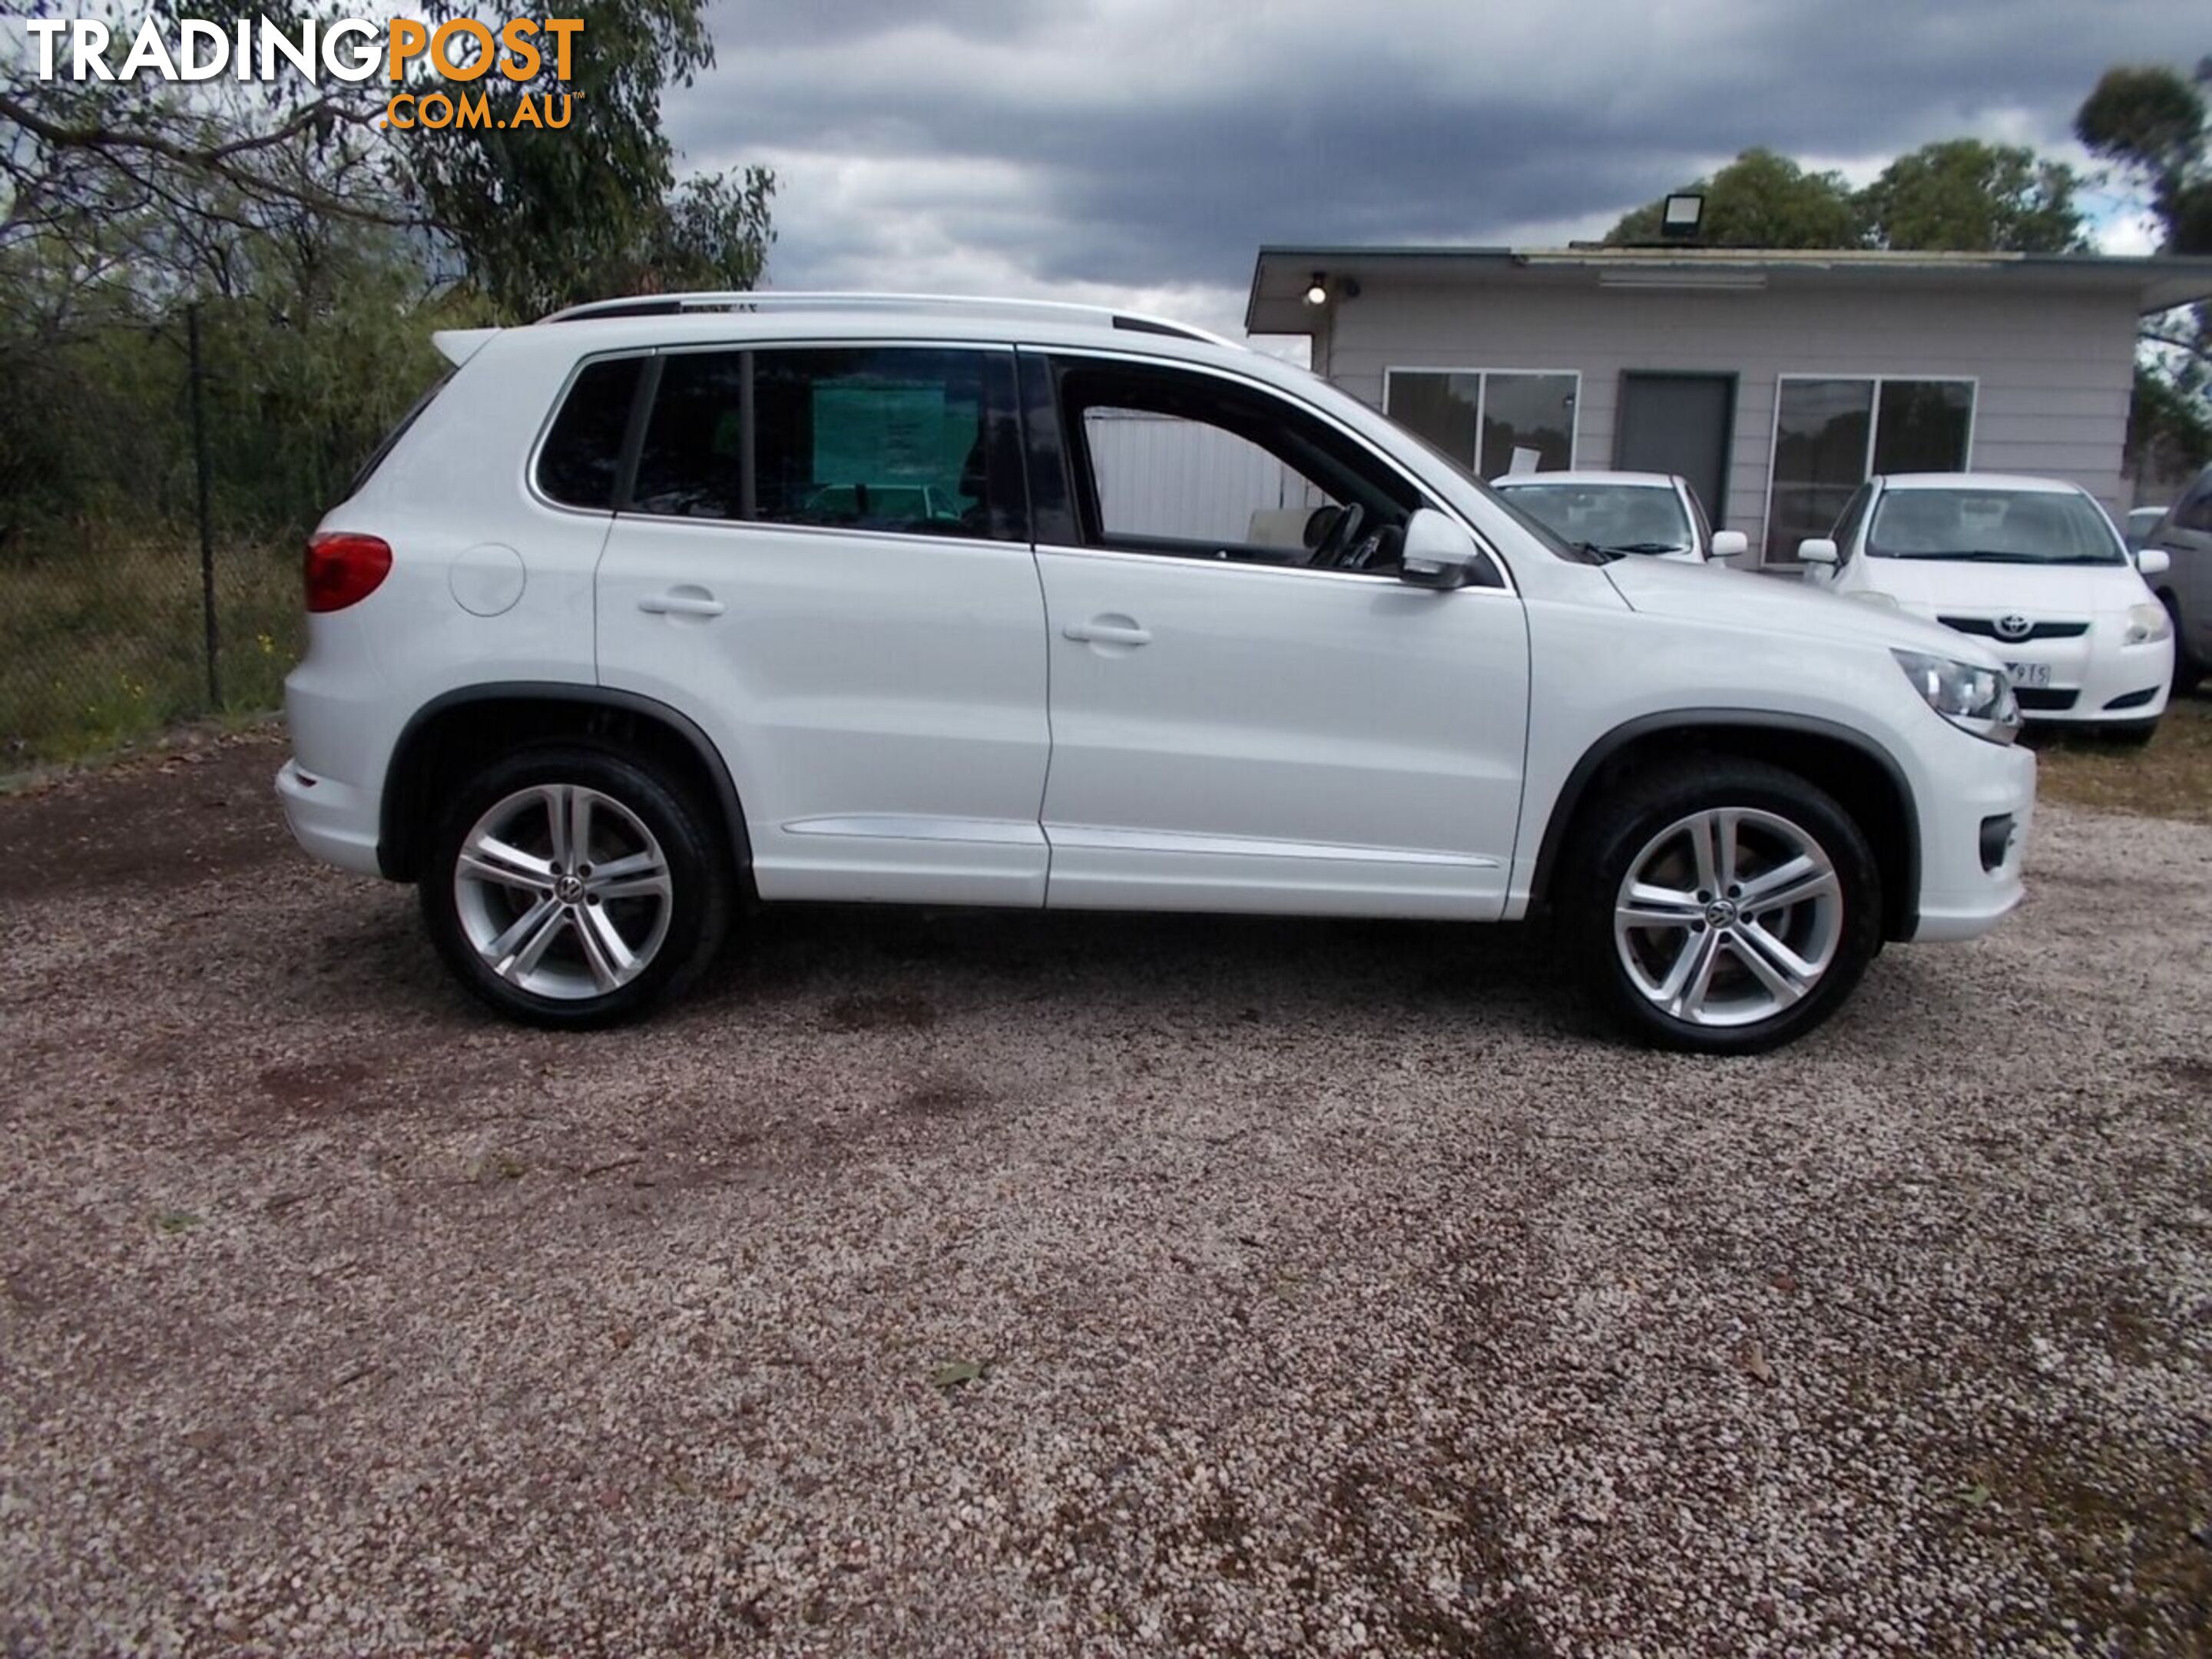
pixel 1343 537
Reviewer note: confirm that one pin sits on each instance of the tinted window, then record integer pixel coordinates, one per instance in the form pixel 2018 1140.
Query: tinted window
pixel 2009 527
pixel 693 462
pixel 913 441
pixel 581 462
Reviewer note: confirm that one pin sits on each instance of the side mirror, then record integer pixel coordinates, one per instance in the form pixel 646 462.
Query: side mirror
pixel 1730 545
pixel 1818 549
pixel 2153 560
pixel 1440 551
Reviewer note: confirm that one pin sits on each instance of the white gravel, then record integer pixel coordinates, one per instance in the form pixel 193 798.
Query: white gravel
pixel 1336 1288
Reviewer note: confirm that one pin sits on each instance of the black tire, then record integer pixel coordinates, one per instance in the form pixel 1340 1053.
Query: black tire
pixel 2187 672
pixel 1615 830
pixel 701 881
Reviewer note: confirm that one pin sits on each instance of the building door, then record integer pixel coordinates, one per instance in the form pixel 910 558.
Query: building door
pixel 1679 424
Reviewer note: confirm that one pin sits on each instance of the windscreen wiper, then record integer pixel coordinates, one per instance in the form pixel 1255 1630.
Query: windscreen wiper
pixel 1642 547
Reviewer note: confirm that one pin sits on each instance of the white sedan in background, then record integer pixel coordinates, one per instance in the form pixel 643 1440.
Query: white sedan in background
pixel 2032 567
pixel 1646 512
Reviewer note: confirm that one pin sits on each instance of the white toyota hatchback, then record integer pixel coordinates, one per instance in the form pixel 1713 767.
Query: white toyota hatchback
pixel 668 607
pixel 2033 565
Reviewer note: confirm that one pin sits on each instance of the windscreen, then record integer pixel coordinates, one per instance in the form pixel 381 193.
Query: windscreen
pixel 2000 527
pixel 1614 518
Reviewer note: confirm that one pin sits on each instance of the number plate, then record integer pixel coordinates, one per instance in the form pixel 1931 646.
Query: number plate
pixel 2029 673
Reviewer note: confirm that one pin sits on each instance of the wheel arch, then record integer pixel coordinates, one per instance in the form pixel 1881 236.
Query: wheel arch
pixel 467 726
pixel 1865 778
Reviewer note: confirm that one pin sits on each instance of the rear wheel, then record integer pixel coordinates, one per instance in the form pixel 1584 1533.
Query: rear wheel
pixel 571 886
pixel 1726 908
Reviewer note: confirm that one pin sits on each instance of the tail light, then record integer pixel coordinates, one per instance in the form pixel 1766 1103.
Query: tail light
pixel 343 569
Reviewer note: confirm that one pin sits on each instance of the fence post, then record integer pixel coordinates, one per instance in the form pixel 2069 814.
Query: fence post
pixel 206 526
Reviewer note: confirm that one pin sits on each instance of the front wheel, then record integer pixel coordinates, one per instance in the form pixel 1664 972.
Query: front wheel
pixel 572 886
pixel 1728 906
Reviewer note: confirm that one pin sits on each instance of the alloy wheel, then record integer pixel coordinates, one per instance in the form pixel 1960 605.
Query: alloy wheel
pixel 1728 917
pixel 562 891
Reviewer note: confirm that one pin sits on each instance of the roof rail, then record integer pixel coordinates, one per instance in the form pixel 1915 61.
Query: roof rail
pixel 670 305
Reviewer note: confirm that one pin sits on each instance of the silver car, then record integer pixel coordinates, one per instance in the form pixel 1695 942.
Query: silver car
pixel 2184 587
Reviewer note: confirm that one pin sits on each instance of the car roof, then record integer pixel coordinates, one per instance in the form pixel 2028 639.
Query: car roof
pixel 1979 481
pixel 1626 480
pixel 773 313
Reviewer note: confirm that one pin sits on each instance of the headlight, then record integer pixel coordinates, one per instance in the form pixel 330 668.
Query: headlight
pixel 2146 624
pixel 1976 700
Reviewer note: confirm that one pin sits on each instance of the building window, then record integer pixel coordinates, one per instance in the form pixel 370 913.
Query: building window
pixel 1833 433
pixel 1482 417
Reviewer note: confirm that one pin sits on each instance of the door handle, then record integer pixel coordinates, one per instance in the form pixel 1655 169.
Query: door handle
pixel 682 602
pixel 1107 631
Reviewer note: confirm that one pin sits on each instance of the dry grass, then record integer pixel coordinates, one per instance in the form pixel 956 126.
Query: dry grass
pixel 2169 778
pixel 102 644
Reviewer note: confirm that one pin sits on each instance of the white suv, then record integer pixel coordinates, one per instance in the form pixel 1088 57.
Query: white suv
pixel 665 607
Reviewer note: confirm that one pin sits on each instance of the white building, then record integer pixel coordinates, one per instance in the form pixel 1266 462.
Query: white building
pixel 1775 382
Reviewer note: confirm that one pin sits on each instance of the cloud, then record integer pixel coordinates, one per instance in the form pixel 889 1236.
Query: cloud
pixel 1143 148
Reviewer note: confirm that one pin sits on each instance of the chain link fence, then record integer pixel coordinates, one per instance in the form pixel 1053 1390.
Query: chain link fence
pixel 107 643
pixel 157 480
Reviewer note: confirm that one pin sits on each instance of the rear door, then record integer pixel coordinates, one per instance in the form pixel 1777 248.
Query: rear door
pixel 823 558
pixel 1236 726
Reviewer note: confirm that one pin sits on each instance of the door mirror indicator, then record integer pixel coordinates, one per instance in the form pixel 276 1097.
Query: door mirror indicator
pixel 1440 551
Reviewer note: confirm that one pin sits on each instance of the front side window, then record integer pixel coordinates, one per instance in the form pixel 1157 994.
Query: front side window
pixel 1996 526
pixel 1492 421
pixel 911 441
pixel 1831 435
pixel 1166 461
pixel 1611 517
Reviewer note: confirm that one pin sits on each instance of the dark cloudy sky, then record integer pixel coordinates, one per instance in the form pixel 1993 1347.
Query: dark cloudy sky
pixel 1139 150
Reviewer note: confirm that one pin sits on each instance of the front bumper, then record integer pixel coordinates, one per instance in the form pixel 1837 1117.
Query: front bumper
pixel 2095 678
pixel 1962 895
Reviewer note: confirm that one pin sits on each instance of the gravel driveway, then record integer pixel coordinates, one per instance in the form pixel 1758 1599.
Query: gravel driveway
pixel 976 1285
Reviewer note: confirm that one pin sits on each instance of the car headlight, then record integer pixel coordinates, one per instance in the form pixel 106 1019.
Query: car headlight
pixel 1976 700
pixel 2147 624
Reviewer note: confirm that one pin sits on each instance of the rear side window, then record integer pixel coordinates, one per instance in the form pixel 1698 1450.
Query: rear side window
pixel 913 441
pixel 581 465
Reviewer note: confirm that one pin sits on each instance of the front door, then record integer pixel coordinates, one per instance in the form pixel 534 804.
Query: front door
pixel 824 561
pixel 1249 712
pixel 1682 425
